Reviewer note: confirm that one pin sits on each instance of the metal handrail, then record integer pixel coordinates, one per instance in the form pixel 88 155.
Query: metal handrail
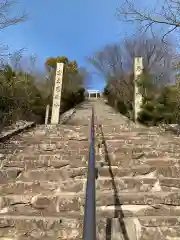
pixel 89 230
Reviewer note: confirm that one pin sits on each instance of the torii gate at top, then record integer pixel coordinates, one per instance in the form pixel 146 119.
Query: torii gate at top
pixel 91 93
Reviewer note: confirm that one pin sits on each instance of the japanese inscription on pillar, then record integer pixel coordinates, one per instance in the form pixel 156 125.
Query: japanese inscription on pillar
pixel 57 94
pixel 138 69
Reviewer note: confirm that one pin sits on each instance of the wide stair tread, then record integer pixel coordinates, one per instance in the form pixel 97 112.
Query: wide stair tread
pixel 68 228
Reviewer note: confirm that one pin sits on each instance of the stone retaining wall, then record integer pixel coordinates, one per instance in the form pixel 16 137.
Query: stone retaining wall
pixel 14 129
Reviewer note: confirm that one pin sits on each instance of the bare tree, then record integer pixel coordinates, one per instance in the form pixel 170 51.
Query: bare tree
pixel 116 60
pixel 115 63
pixel 166 13
pixel 158 57
pixel 85 76
pixel 6 18
pixel 110 63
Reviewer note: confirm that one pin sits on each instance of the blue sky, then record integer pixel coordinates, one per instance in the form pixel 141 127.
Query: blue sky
pixel 74 28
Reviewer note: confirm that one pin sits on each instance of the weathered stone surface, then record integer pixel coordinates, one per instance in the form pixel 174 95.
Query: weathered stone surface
pixel 29 187
pixel 103 184
pixel 36 164
pixel 16 128
pixel 127 204
pixel 137 211
pixel 60 147
pixel 43 180
pixel 141 198
pixel 126 184
pixel 9 174
pixel 144 183
pixel 140 171
pixel 126 161
pixel 40 228
pixel 45 187
pixel 63 228
pixel 48 156
pixel 52 174
pixel 135 229
pixel 38 205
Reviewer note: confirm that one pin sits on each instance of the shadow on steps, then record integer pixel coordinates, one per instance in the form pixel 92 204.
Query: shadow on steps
pixel 118 213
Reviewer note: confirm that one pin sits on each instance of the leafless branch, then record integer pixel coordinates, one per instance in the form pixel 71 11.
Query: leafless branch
pixel 168 14
pixel 168 33
pixel 6 19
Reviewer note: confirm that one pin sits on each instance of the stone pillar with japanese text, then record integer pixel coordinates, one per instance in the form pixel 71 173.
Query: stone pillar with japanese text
pixel 138 70
pixel 57 94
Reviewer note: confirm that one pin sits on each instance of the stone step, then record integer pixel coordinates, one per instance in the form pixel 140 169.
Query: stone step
pixel 140 171
pixel 31 228
pixel 126 130
pixel 107 198
pixel 45 187
pixel 46 140
pixel 24 160
pixel 48 156
pixel 127 161
pixel 34 164
pixel 59 127
pixel 59 131
pixel 123 145
pixel 80 122
pixel 71 145
pixel 79 146
pixel 139 228
pixel 138 140
pixel 141 153
pixel 118 159
pixel 79 133
pixel 42 205
pixel 131 136
pixel 10 150
pixel 50 174
pixel 129 128
pixel 45 174
pixel 147 151
pixel 108 203
pixel 136 184
pixel 52 228
pixel 135 135
pixel 58 162
pixel 65 153
pixel 9 175
pixel 68 134
pixel 121 185
pixel 112 152
pixel 142 143
pixel 134 210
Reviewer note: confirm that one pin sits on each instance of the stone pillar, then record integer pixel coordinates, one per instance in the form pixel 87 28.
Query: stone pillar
pixel 47 114
pixel 96 94
pixel 57 94
pixel 138 70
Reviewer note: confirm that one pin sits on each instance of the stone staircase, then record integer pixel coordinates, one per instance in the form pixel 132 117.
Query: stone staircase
pixel 43 180
pixel 141 192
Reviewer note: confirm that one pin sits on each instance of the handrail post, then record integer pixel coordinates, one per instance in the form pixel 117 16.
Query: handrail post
pixel 89 231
